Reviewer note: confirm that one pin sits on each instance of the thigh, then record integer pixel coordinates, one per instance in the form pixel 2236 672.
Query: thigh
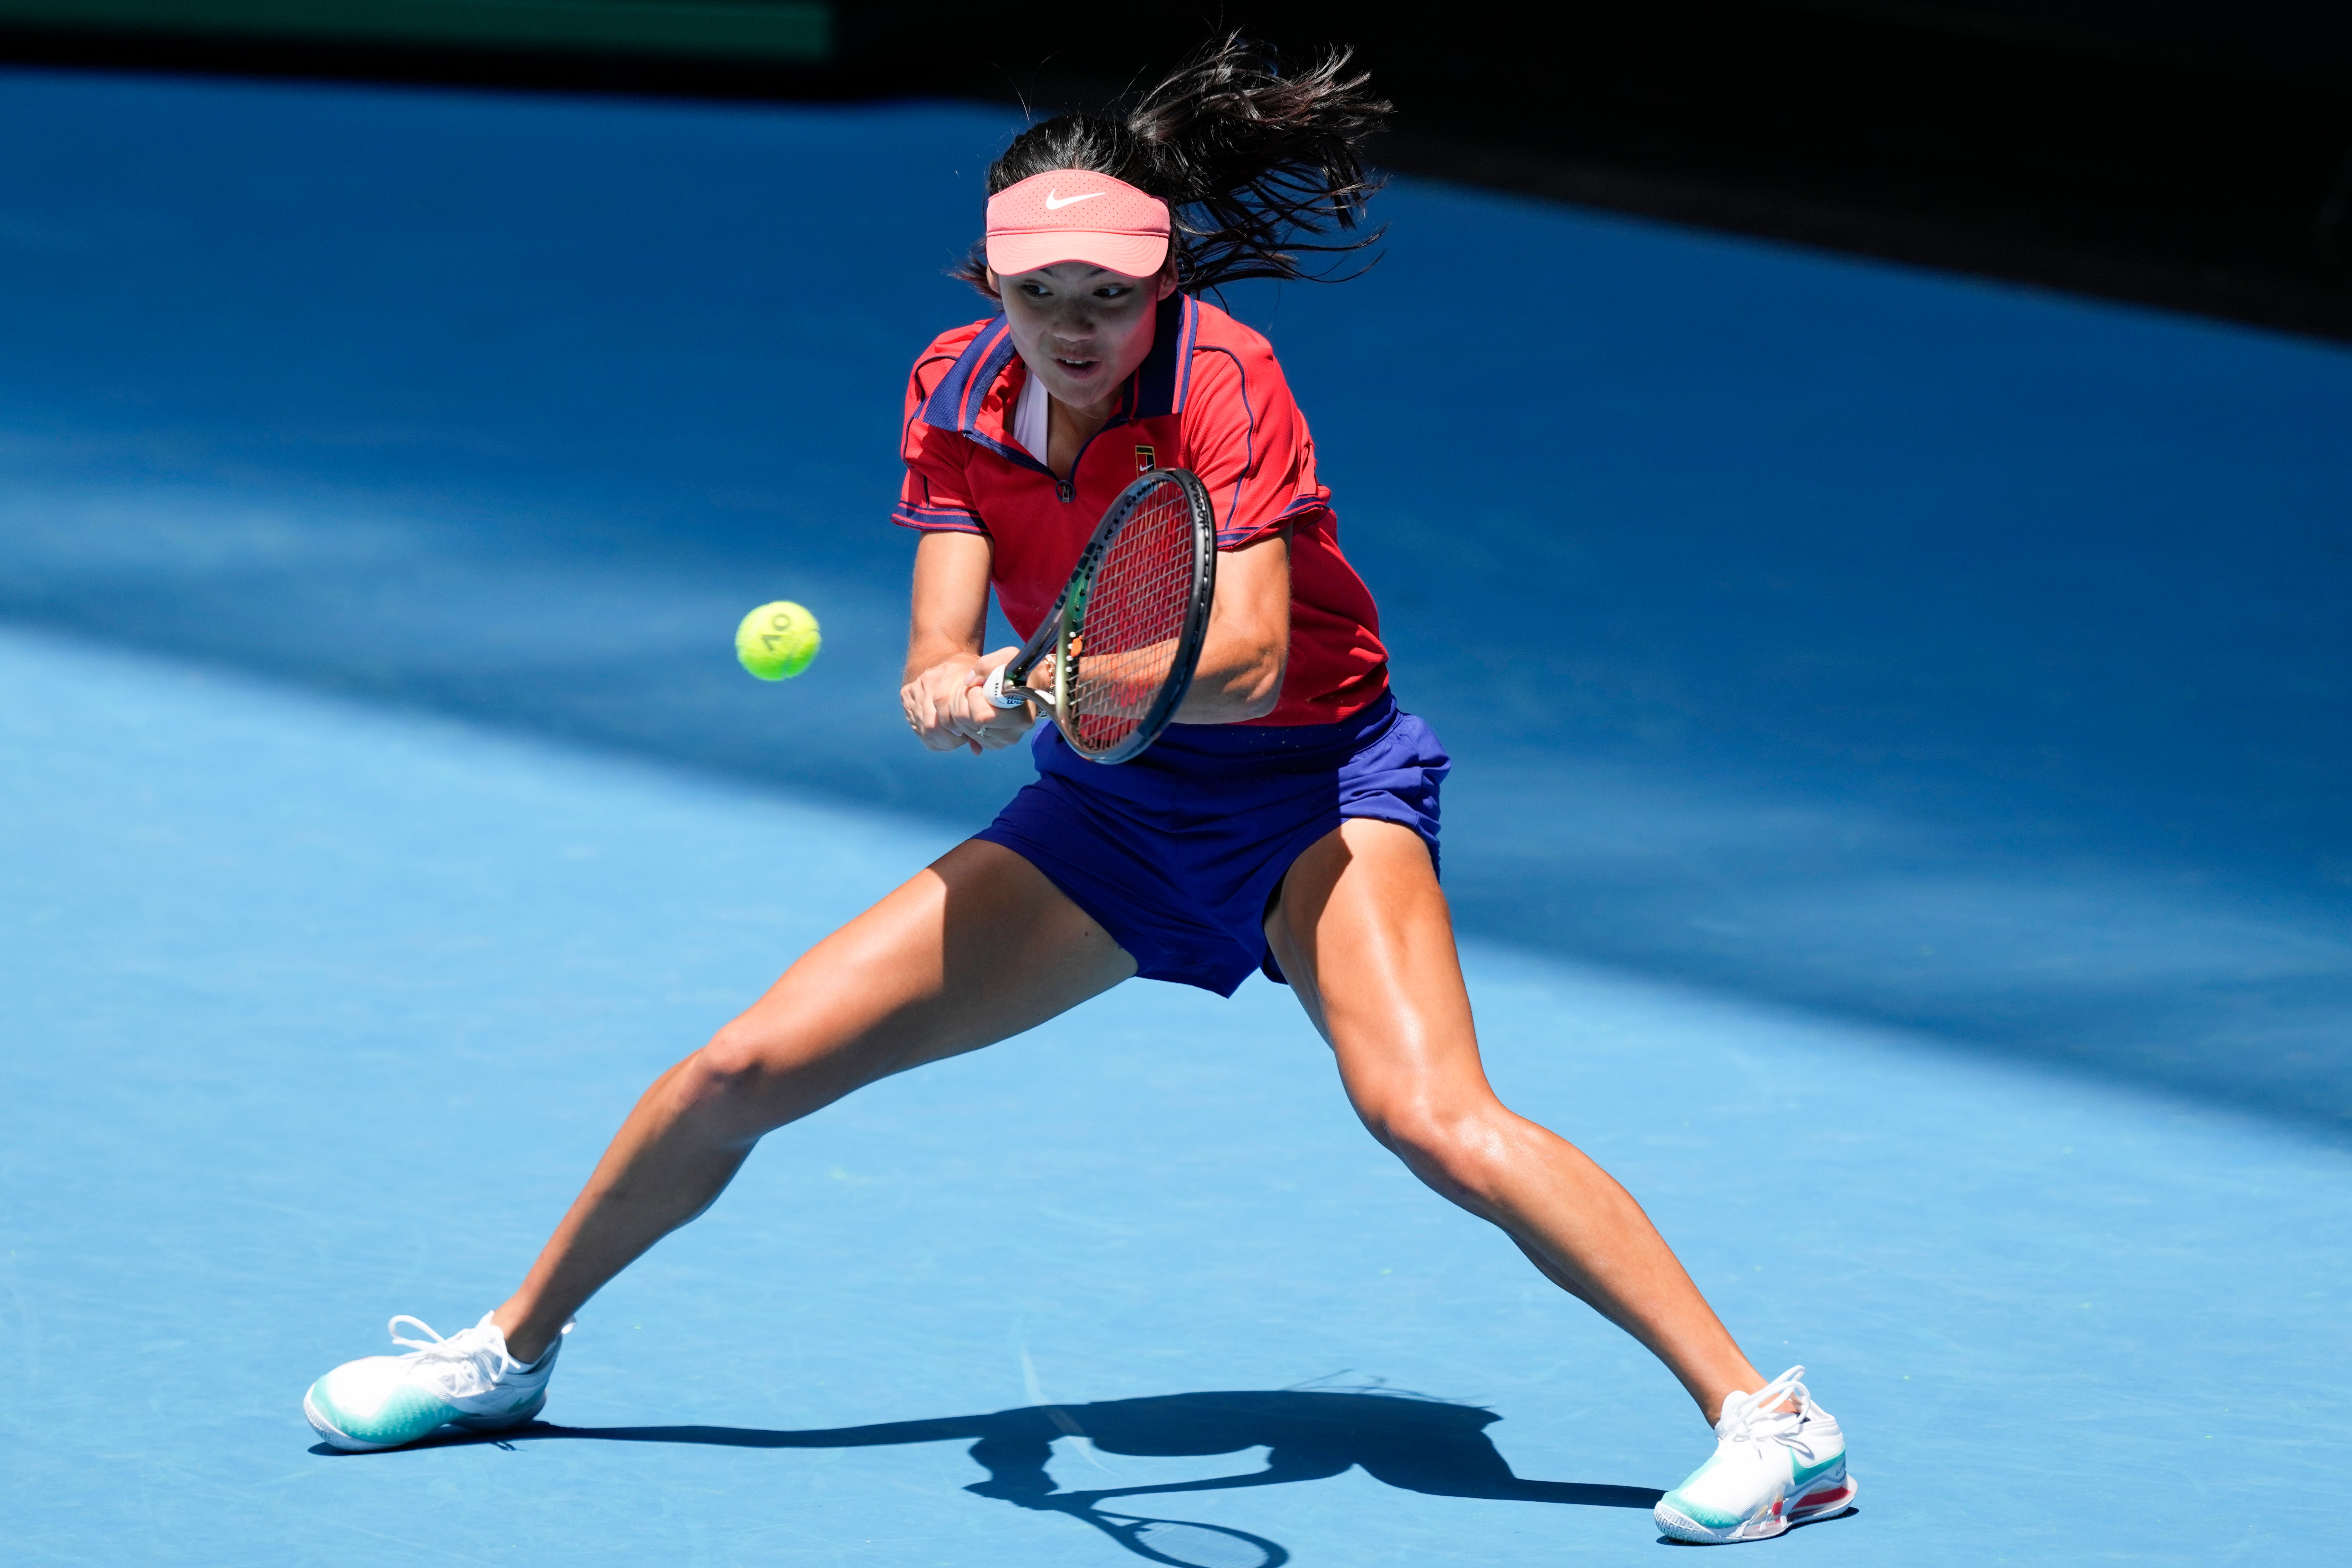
pixel 976 948
pixel 1362 933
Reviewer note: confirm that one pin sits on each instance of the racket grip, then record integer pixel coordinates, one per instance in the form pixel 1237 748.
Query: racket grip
pixel 998 695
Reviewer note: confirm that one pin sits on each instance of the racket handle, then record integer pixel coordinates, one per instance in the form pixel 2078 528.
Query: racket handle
pixel 998 695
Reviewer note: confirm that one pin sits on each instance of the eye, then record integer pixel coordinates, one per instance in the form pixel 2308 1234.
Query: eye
pixel 1034 290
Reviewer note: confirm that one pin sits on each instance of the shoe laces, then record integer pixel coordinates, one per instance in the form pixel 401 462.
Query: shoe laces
pixel 468 1361
pixel 1751 1418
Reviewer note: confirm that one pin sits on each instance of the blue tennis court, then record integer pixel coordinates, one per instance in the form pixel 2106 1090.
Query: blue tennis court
pixel 1901 733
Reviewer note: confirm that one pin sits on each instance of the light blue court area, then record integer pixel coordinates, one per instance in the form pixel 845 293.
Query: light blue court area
pixel 1898 828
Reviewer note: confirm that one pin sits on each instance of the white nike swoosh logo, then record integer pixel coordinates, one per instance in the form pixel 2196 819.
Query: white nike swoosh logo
pixel 1054 202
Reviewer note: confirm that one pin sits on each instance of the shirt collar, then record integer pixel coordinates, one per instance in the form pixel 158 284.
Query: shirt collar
pixel 1156 387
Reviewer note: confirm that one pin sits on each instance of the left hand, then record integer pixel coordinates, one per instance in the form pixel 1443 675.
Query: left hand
pixel 946 706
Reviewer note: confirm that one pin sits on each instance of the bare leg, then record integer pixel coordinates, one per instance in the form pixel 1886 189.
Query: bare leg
pixel 1364 936
pixel 974 950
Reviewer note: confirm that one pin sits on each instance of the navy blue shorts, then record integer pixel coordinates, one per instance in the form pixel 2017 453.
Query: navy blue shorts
pixel 1177 853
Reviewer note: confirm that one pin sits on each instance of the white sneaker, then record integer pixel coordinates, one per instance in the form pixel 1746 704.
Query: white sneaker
pixel 466 1380
pixel 1772 1469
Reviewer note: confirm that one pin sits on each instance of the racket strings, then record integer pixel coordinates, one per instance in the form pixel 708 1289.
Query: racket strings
pixel 1197 1545
pixel 1136 608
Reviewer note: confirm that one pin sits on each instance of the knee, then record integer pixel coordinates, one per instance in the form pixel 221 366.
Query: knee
pixel 735 1067
pixel 1461 1151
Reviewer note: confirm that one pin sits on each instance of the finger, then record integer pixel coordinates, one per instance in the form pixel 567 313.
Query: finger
pixel 935 713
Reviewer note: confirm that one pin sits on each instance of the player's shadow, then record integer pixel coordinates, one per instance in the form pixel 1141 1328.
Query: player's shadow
pixel 1419 1445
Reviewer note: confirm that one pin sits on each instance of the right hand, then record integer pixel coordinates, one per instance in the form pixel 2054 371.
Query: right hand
pixel 947 707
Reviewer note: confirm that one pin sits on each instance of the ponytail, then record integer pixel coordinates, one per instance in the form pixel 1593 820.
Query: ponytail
pixel 1256 167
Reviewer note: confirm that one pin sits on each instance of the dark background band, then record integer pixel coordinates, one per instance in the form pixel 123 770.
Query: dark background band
pixel 2185 153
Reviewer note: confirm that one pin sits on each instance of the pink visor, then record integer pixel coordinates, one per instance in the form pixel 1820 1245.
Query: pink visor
pixel 1074 214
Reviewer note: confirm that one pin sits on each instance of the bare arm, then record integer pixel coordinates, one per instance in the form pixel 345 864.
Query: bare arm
pixel 945 668
pixel 1240 675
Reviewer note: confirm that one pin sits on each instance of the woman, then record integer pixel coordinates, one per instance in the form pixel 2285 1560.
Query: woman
pixel 1287 821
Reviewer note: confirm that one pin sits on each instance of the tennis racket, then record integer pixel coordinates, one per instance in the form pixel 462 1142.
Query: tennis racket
pixel 1120 647
pixel 1179 1544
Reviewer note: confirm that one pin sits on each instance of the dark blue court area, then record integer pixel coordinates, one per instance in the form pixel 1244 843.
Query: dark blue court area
pixel 1900 828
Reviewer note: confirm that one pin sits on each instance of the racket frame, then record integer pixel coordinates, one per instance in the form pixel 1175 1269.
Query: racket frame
pixel 1061 636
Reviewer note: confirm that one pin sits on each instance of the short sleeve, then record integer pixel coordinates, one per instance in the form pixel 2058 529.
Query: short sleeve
pixel 1249 443
pixel 934 496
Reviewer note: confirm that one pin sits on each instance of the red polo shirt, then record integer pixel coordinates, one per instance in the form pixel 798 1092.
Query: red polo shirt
pixel 1209 398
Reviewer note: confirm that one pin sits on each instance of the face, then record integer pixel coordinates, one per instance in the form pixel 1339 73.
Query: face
pixel 1081 330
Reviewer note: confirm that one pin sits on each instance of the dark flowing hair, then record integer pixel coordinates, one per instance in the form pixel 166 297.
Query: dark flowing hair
pixel 1256 167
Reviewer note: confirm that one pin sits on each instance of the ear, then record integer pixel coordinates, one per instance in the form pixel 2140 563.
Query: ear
pixel 1167 277
pixel 995 287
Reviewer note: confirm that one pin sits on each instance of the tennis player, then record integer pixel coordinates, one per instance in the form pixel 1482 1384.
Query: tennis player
pixel 1287 821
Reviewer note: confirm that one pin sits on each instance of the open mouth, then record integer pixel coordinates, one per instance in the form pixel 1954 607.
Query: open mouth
pixel 1076 366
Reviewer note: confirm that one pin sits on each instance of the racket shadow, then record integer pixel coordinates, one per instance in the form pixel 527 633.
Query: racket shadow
pixel 1414 1444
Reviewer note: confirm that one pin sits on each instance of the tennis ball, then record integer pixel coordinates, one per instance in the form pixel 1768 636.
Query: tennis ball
pixel 776 641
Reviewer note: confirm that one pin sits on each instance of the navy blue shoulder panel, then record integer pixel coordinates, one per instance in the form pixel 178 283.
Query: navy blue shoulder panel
pixel 1167 373
pixel 954 403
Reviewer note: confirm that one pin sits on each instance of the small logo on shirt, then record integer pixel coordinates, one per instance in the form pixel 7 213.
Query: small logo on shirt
pixel 1146 459
pixel 1055 201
